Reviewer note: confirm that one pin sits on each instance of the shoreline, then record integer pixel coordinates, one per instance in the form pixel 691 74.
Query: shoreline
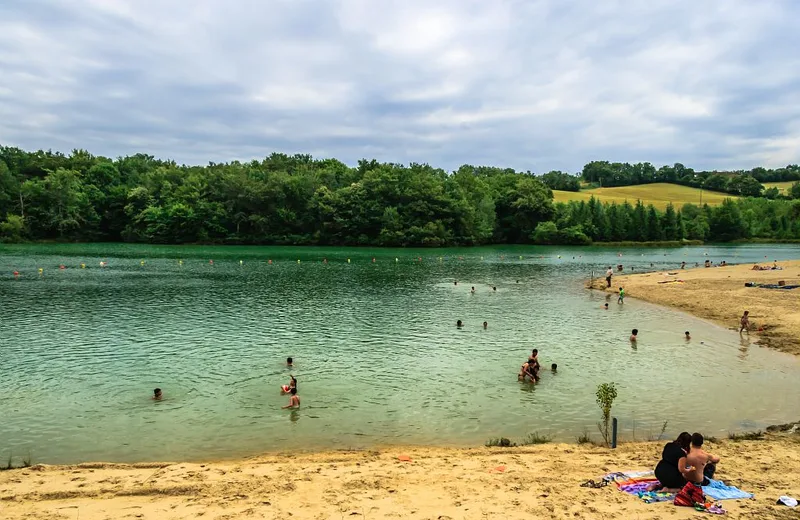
pixel 719 294
pixel 541 481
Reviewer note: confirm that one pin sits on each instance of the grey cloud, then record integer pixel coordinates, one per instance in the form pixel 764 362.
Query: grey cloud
pixel 532 85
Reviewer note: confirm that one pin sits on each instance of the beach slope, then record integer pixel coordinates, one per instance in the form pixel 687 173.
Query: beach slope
pixel 719 294
pixel 436 483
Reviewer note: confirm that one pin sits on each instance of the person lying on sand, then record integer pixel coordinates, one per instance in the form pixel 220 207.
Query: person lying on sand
pixel 700 465
pixel 294 400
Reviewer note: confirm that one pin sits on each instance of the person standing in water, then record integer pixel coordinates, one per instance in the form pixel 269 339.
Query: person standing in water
pixel 744 322
pixel 485 325
pixel 459 324
pixel 294 400
pixel 687 335
pixel 157 395
pixel 634 335
pixel 289 362
pixel 472 290
pixel 621 298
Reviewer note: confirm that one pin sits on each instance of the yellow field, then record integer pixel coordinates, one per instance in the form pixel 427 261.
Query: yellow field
pixel 782 186
pixel 658 194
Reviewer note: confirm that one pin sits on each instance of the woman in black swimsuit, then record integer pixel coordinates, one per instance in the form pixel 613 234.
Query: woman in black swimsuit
pixel 667 470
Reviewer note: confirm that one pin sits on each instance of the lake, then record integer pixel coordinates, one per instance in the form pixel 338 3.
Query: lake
pixel 378 357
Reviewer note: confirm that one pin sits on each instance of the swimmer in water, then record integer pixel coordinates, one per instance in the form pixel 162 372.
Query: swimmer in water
pixel 459 324
pixel 285 389
pixel 634 334
pixel 494 289
pixel 605 306
pixel 455 282
pixel 472 290
pixel 528 370
pixel 289 362
pixel 294 400
pixel 687 335
pixel 157 395
pixel 554 368
pixel 485 325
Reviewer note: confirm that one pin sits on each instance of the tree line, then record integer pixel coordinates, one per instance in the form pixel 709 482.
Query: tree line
pixel 300 200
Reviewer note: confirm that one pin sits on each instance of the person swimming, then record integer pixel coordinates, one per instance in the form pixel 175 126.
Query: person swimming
pixel 554 368
pixel 472 290
pixel 285 389
pixel 294 400
pixel 634 334
pixel 494 288
pixel 459 324
pixel 289 362
pixel 605 306
pixel 687 335
pixel 485 324
pixel 529 370
pixel 157 395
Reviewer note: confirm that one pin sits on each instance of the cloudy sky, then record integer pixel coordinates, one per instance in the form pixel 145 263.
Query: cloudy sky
pixel 536 85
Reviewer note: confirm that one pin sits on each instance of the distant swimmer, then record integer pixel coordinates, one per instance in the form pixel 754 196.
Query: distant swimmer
pixel 485 324
pixel 687 335
pixel 294 400
pixel 157 395
pixel 494 289
pixel 459 324
pixel 289 362
pixel 621 298
pixel 605 306
pixel 634 335
pixel 455 282
pixel 528 370
pixel 554 368
pixel 472 290
pixel 285 389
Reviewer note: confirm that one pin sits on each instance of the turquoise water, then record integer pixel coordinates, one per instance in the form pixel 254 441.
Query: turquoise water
pixel 378 357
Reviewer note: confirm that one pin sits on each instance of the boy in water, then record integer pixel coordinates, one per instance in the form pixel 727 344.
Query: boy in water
pixel 554 368
pixel 472 290
pixel 745 322
pixel 294 400
pixel 687 335
pixel 634 334
pixel 605 306
pixel 157 394
pixel 485 325
pixel 289 362
pixel 621 298
pixel 459 324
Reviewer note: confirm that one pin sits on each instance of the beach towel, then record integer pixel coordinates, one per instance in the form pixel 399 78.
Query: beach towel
pixel 636 483
pixel 717 490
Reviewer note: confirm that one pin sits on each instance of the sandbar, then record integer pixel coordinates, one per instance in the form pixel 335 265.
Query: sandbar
pixel 719 294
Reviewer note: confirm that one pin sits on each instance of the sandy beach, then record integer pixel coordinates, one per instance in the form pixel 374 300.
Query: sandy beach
pixel 435 483
pixel 719 294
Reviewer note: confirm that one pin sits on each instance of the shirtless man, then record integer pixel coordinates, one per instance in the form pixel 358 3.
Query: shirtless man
pixel 294 400
pixel 698 461
pixel 744 321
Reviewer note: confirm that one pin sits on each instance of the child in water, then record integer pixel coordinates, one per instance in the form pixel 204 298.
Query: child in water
pixel 294 400
pixel 687 335
pixel 485 324
pixel 285 389
pixel 634 334
pixel 289 362
pixel 745 322
pixel 621 295
pixel 554 368
pixel 157 394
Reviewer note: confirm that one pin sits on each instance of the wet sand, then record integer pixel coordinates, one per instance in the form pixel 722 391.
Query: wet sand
pixel 719 294
pixel 437 483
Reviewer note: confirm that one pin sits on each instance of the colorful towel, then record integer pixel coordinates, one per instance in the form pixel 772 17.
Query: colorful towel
pixel 636 483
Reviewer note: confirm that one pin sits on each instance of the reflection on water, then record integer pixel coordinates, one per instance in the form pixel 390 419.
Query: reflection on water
pixel 378 357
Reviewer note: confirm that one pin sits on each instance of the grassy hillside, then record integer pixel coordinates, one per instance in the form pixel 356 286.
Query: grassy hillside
pixel 658 194
pixel 782 186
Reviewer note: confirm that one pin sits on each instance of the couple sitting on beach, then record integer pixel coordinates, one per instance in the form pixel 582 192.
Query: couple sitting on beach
pixel 682 461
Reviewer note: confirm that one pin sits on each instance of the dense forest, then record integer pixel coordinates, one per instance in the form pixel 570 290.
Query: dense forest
pixel 299 200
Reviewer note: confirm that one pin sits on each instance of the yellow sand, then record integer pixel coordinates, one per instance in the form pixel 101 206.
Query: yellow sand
pixel 719 294
pixel 439 483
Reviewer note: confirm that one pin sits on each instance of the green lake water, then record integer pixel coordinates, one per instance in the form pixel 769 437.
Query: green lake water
pixel 377 354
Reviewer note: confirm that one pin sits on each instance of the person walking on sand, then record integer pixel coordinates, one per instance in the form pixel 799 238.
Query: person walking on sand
pixel 609 274
pixel 621 298
pixel 744 322
pixel 294 400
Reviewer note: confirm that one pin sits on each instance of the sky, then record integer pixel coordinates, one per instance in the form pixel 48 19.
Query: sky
pixel 531 85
